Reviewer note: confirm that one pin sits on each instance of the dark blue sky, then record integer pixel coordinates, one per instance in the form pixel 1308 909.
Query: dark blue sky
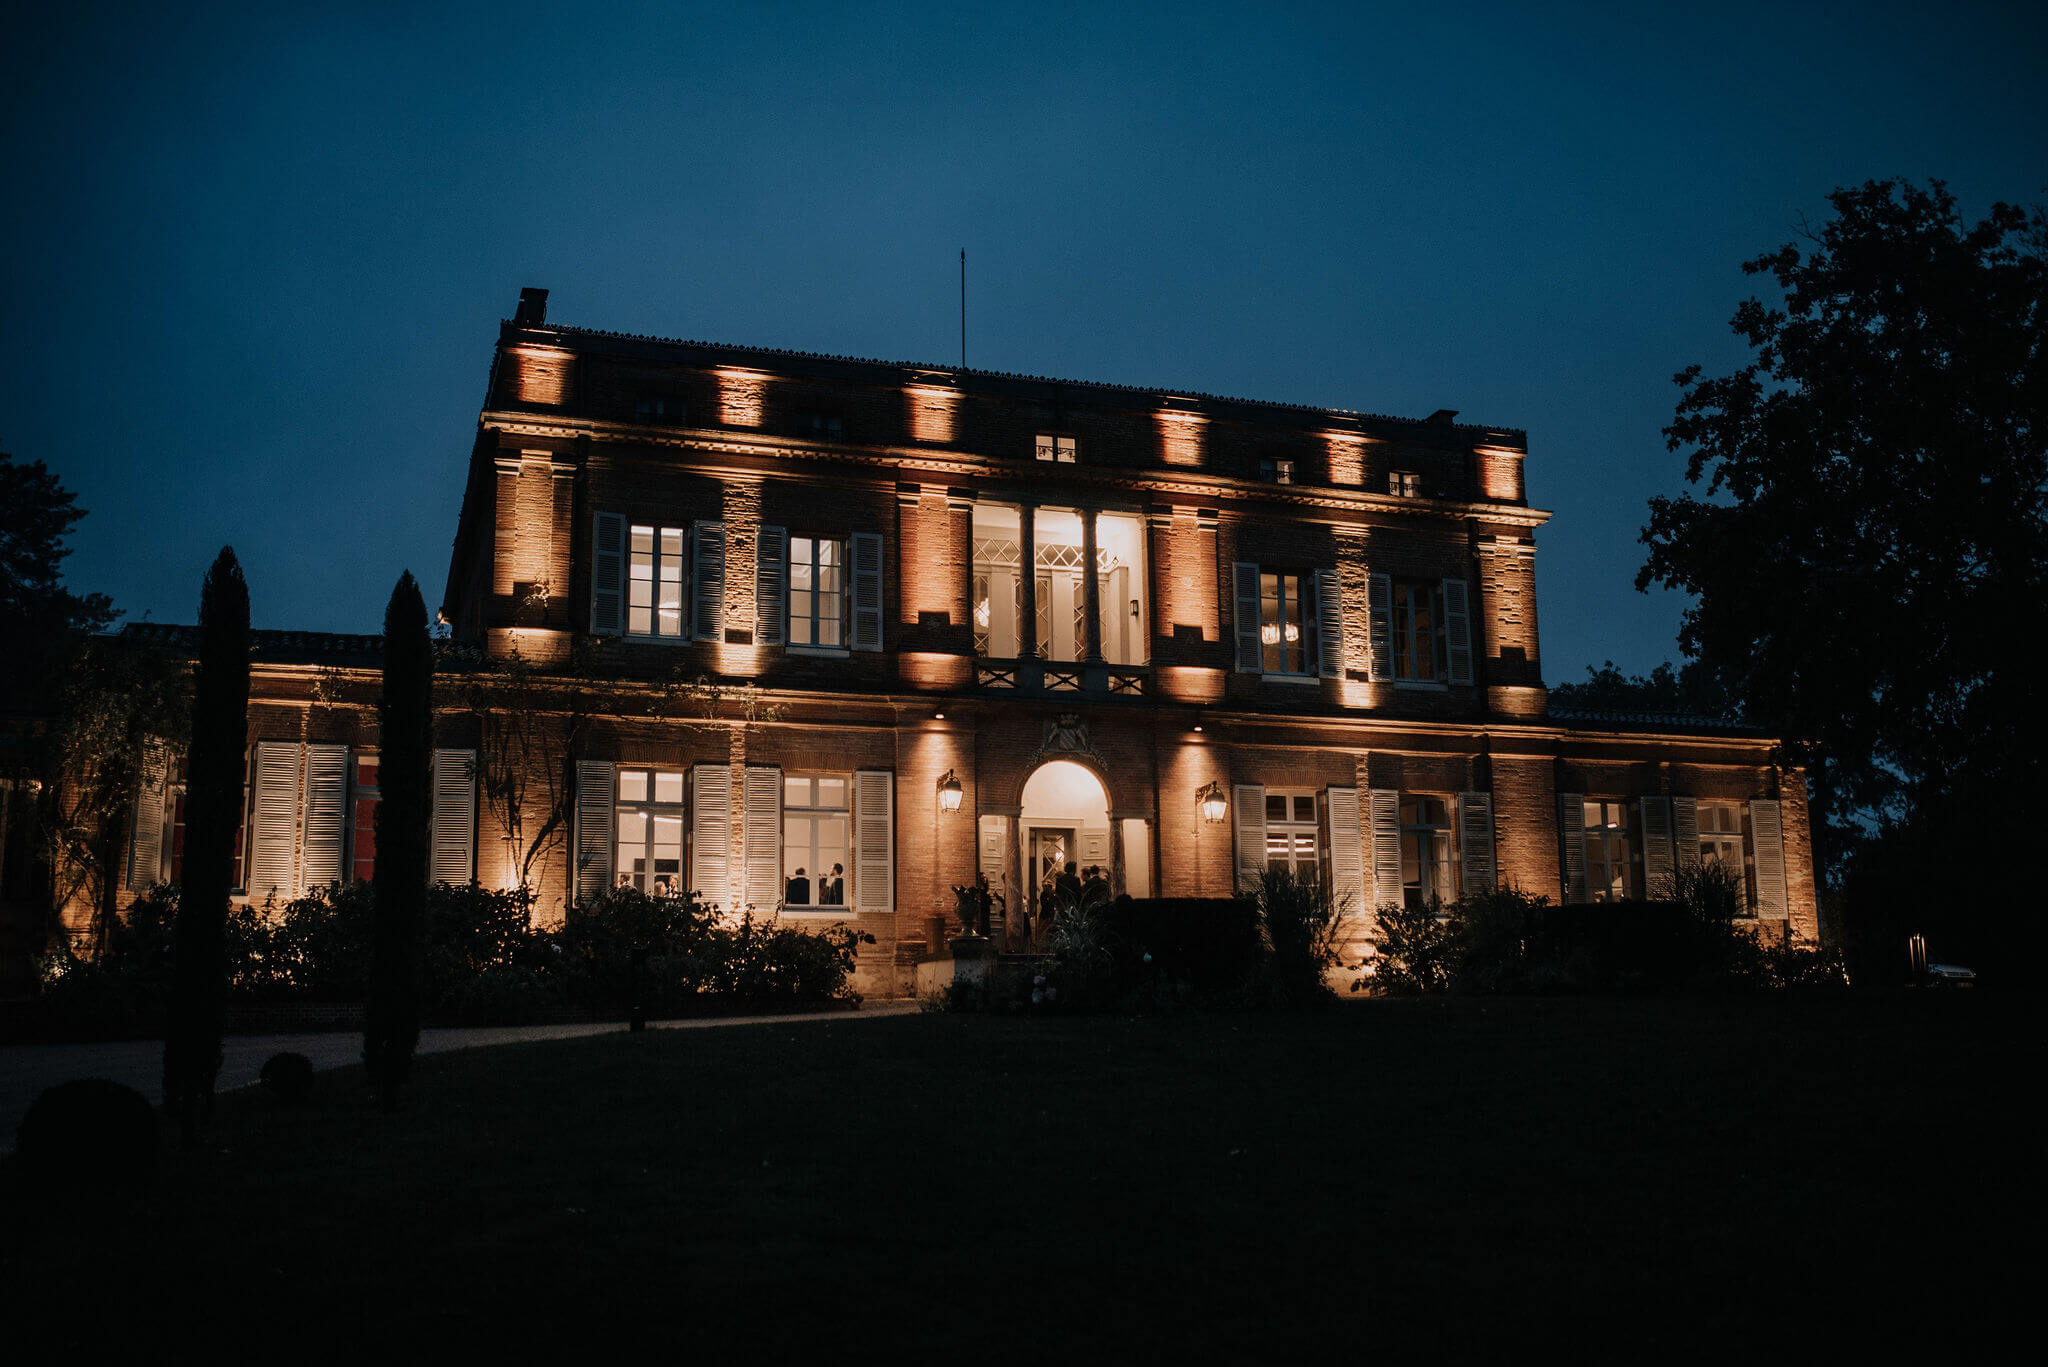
pixel 254 258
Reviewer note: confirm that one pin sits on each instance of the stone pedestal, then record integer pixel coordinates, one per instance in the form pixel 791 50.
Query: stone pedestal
pixel 968 959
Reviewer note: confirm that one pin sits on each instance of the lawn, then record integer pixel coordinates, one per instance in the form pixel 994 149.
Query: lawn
pixel 1599 1176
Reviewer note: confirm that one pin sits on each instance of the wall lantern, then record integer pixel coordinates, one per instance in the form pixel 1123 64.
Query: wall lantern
pixel 949 793
pixel 1213 807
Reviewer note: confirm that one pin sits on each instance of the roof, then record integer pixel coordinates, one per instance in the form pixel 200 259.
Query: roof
pixel 274 647
pixel 1616 719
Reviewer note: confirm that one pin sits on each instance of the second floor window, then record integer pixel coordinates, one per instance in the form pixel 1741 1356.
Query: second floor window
pixel 817 592
pixel 654 581
pixel 1060 449
pixel 1283 624
pixel 1418 631
pixel 1721 843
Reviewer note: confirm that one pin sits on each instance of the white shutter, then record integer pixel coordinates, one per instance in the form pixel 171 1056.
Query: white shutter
pixel 867 593
pixel 274 821
pixel 762 836
pixel 707 581
pixel 1767 836
pixel 991 830
pixel 1685 830
pixel 1457 631
pixel 771 574
pixel 711 832
pixel 1379 602
pixel 452 859
pixel 595 828
pixel 608 574
pixel 1571 830
pixel 1475 841
pixel 1250 801
pixel 1330 623
pixel 1347 850
pixel 874 837
pixel 1383 807
pixel 326 815
pixel 146 849
pixel 1246 577
pixel 1658 860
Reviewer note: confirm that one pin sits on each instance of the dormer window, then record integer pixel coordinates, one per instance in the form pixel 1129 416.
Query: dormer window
pixel 1405 484
pixel 658 408
pixel 1276 471
pixel 1060 449
pixel 822 426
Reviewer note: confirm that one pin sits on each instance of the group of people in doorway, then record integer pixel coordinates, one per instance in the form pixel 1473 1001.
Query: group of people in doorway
pixel 831 889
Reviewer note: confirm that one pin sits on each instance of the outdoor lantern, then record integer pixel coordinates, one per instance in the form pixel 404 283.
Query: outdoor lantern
pixel 949 793
pixel 1210 800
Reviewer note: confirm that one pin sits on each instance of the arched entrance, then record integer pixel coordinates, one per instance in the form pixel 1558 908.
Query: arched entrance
pixel 1063 820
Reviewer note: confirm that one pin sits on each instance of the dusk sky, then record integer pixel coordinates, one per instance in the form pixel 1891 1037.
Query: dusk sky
pixel 254 259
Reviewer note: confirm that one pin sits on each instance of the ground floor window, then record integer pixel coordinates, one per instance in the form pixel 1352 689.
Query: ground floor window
pixel 363 820
pixel 1426 869
pixel 1721 842
pixel 1610 851
pixel 1291 834
pixel 816 820
pixel 650 823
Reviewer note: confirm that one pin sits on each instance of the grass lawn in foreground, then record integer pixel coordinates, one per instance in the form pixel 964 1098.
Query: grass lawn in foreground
pixel 1640 1176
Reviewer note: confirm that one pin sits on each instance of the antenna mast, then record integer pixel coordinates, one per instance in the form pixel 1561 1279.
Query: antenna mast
pixel 963 308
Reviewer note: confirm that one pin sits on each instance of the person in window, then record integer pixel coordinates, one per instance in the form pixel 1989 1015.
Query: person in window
pixel 625 880
pixel 662 887
pixel 832 888
pixel 798 893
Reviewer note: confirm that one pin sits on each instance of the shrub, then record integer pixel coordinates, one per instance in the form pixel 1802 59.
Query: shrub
pixel 1415 949
pixel 94 1136
pixel 1299 922
pixel 626 948
pixel 1090 954
pixel 770 964
pixel 288 1077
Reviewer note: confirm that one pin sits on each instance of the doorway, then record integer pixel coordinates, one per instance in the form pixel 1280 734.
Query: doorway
pixel 1052 849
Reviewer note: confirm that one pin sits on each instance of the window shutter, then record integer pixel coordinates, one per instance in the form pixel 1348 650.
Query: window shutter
pixel 608 574
pixel 1457 631
pixel 874 858
pixel 1475 841
pixel 274 825
pixel 763 838
pixel 1380 624
pixel 1250 801
pixel 1247 617
pixel 1659 859
pixel 1330 623
pixel 1384 807
pixel 707 580
pixel 595 828
pixel 146 849
pixel 771 574
pixel 326 813
pixel 1571 830
pixel 1685 829
pixel 991 831
pixel 711 832
pixel 867 594
pixel 1347 850
pixel 454 851
pixel 1767 837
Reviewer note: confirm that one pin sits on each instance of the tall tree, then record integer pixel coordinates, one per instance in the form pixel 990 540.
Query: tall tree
pixel 1869 553
pixel 38 615
pixel 213 802
pixel 1691 690
pixel 405 737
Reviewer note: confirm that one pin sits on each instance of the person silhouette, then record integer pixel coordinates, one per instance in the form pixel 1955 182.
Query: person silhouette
pixel 798 893
pixel 832 888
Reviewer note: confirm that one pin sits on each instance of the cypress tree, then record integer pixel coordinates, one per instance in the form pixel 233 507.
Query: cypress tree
pixel 405 724
pixel 213 803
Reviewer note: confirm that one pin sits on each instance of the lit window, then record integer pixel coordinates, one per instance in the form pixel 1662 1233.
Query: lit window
pixel 1419 631
pixel 1291 834
pixel 1277 471
pixel 1059 449
pixel 654 582
pixel 1427 873
pixel 1283 634
pixel 1405 484
pixel 817 591
pixel 815 821
pixel 1610 854
pixel 650 823
pixel 1721 842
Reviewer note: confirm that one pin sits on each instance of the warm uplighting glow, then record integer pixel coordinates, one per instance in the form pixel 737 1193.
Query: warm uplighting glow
pixel 1213 806
pixel 949 793
pixel 931 412
pixel 1180 436
pixel 742 396
pixel 1346 456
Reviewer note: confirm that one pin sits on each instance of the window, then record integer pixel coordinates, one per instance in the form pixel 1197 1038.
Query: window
pixel 1721 842
pixel 1427 872
pixel 654 581
pixel 1276 471
pixel 1283 635
pixel 822 426
pixel 1059 449
pixel 816 820
pixel 362 820
pixel 817 592
pixel 1610 854
pixel 1418 631
pixel 1405 484
pixel 1291 834
pixel 658 408
pixel 998 582
pixel 650 825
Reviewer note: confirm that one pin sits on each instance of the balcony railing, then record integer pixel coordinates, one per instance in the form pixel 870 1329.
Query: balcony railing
pixel 1048 676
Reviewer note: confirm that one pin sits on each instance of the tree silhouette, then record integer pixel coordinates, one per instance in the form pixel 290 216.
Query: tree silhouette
pixel 405 726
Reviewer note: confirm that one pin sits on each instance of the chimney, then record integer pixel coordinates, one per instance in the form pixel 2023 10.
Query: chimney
pixel 533 308
pixel 1445 416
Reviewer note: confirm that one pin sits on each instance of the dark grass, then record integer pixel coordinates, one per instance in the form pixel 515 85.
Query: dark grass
pixel 1669 1177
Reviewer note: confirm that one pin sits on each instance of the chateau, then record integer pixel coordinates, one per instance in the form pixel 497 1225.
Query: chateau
pixel 842 634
